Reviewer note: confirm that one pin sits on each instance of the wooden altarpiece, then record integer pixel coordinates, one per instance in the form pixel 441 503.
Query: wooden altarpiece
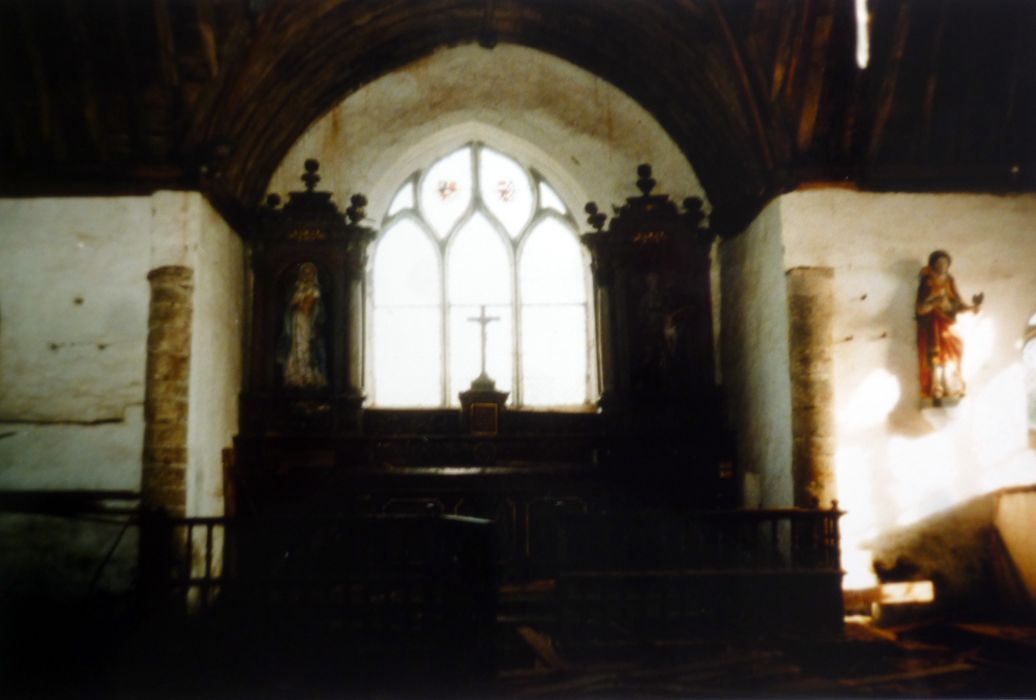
pixel 308 446
pixel 651 270
pixel 635 501
pixel 308 263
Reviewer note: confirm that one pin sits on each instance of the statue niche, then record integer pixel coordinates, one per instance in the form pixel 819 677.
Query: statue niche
pixel 651 278
pixel 307 262
pixel 301 350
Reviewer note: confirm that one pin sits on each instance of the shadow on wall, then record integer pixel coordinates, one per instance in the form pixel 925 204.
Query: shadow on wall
pixel 905 418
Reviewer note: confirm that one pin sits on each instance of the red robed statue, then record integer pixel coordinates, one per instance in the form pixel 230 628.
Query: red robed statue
pixel 940 349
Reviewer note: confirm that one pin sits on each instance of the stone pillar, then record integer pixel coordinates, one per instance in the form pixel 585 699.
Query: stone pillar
pixel 810 319
pixel 167 376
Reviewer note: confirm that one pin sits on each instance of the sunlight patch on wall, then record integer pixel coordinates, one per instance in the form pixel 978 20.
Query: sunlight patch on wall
pixel 872 402
pixel 857 526
pixel 998 425
pixel 865 411
pixel 973 448
pixel 979 335
pixel 1008 459
pixel 923 475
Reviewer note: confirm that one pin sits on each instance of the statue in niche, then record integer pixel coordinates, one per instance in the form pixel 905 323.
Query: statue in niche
pixel 300 350
pixel 940 350
pixel 658 325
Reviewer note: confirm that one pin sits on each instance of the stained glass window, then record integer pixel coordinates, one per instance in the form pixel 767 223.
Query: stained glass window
pixel 505 190
pixel 478 229
pixel 446 191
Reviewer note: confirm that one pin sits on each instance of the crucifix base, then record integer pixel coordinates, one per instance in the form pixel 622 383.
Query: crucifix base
pixel 481 406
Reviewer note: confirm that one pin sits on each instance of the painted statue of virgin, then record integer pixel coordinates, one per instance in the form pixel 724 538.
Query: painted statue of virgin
pixel 300 350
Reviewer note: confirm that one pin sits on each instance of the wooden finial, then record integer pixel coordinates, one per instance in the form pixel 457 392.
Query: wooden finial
pixel 311 178
pixel 356 212
pixel 646 183
pixel 693 210
pixel 596 218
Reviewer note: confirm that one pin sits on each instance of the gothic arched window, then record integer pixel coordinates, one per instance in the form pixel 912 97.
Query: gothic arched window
pixel 477 229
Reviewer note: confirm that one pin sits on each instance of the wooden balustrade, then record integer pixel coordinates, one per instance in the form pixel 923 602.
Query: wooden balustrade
pixel 651 575
pixel 393 584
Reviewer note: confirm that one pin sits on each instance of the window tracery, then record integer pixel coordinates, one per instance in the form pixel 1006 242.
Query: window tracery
pixel 476 228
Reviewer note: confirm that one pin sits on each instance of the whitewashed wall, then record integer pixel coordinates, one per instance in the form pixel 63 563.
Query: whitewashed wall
pixel 754 347
pixel 215 360
pixel 74 303
pixel 896 462
pixel 586 136
pixel 73 326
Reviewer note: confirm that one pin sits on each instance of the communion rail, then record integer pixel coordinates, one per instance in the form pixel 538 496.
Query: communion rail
pixel 639 576
pixel 422 587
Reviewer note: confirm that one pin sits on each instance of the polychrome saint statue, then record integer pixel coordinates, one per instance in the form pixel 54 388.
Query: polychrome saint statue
pixel 940 349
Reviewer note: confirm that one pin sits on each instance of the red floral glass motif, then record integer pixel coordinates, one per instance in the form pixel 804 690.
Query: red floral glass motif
pixel 505 188
pixel 447 189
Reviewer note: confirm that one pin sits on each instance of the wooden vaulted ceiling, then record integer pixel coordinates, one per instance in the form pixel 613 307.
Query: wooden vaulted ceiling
pixel 121 96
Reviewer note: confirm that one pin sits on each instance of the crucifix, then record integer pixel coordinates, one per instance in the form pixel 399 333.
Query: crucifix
pixel 483 321
pixel 481 405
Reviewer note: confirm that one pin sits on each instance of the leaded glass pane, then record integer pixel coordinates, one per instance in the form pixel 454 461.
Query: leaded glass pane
pixel 408 357
pixel 554 364
pixel 404 199
pixel 549 199
pixel 446 191
pixel 406 268
pixel 551 269
pixel 466 344
pixel 504 187
pixel 407 319
pixel 478 266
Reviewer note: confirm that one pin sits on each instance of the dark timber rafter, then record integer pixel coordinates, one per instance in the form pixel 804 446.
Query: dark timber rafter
pixel 132 96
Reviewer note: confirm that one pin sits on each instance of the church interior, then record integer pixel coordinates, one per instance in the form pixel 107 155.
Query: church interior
pixel 513 348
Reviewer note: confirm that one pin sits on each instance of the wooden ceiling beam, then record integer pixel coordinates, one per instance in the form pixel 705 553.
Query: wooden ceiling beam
pixel 50 130
pixel 84 52
pixel 887 94
pixel 750 93
pixel 932 83
pixel 818 60
pixel 747 93
pixel 166 43
pixel 1024 27
pixel 783 54
pixel 805 10
pixel 207 31
pixel 15 135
